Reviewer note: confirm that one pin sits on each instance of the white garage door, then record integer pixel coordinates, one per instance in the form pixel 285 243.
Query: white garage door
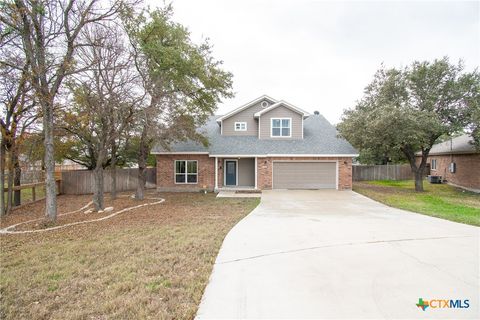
pixel 304 175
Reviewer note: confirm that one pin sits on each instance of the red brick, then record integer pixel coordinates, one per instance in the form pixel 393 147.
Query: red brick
pixel 166 173
pixel 206 174
pixel 467 172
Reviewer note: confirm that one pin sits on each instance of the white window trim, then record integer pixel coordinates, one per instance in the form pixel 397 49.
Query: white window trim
pixel 280 136
pixel 240 124
pixel 186 172
pixel 431 164
pixel 225 172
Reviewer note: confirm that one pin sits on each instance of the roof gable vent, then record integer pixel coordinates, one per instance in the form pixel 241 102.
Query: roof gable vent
pixel 264 104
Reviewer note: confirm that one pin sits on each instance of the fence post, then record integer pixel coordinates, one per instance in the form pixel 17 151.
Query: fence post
pixel 33 194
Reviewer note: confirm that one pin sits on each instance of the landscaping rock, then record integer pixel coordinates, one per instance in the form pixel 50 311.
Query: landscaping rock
pixel 108 209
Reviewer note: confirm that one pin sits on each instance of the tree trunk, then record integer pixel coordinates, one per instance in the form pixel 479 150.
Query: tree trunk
pixel 142 165
pixel 417 170
pixel 50 185
pixel 98 194
pixel 2 177
pixel 113 171
pixel 419 180
pixel 9 183
pixel 17 174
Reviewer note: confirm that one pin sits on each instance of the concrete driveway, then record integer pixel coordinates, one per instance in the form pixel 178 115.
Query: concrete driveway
pixel 330 254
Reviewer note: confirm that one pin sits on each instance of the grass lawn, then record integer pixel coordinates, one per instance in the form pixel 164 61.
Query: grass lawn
pixel 438 200
pixel 150 263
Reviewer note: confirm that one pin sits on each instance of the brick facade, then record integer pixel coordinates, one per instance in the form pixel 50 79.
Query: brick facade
pixel 467 172
pixel 206 171
pixel 166 172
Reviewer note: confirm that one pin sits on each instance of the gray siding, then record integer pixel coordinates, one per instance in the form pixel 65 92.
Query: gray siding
pixel 246 172
pixel 243 116
pixel 281 112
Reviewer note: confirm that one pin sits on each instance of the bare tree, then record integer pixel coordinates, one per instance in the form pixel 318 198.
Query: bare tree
pixel 104 98
pixel 50 31
pixel 18 113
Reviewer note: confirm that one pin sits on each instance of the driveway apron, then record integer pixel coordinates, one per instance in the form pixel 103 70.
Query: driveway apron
pixel 337 254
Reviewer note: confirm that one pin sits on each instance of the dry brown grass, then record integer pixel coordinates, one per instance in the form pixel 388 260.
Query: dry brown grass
pixel 150 263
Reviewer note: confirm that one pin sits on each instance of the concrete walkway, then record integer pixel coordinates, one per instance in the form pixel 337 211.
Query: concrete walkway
pixel 330 254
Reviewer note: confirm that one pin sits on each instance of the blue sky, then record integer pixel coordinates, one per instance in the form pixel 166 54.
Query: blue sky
pixel 320 55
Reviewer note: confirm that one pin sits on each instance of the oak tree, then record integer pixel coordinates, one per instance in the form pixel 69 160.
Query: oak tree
pixel 407 110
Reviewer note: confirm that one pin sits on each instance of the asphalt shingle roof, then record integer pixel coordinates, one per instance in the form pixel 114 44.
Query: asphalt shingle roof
pixel 458 145
pixel 320 137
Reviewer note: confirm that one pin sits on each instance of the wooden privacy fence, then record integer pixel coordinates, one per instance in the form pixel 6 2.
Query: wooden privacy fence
pixel 382 172
pixel 82 181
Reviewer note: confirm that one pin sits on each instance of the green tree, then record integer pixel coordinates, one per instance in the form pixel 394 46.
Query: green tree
pixel 181 80
pixel 408 110
pixel 473 112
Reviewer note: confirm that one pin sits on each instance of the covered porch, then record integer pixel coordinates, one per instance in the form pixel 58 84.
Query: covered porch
pixel 235 174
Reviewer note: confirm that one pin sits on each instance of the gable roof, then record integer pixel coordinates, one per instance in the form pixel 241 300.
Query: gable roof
pixel 457 145
pixel 320 139
pixel 245 106
pixel 282 103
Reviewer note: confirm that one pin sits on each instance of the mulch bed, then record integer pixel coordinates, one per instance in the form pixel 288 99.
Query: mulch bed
pixel 65 204
pixel 176 208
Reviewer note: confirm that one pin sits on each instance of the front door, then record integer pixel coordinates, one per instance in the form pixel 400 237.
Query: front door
pixel 230 173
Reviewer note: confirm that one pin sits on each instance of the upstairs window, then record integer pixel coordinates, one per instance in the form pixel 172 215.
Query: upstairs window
pixel 281 127
pixel 240 126
pixel 186 171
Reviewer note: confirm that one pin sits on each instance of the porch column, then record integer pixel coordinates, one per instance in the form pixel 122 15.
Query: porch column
pixel 216 174
pixel 255 172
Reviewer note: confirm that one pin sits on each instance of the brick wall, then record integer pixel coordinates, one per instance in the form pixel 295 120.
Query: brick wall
pixel 467 173
pixel 264 170
pixel 206 173
pixel 166 172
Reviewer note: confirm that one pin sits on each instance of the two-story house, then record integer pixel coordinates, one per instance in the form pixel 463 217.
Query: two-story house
pixel 264 144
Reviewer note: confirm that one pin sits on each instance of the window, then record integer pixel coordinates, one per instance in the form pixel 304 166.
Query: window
pixel 186 171
pixel 240 126
pixel 433 166
pixel 281 127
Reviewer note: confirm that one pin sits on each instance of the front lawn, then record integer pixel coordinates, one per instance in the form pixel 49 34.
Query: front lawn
pixel 438 200
pixel 150 263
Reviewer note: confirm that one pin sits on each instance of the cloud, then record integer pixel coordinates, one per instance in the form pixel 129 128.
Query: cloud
pixel 320 55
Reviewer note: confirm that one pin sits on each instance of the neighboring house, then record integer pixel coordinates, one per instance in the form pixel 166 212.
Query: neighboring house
pixel 456 161
pixel 264 144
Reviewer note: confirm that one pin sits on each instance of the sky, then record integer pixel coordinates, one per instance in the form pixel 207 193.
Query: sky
pixel 320 55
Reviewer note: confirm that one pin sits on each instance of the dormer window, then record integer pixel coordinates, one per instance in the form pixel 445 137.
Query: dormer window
pixel 240 126
pixel 281 127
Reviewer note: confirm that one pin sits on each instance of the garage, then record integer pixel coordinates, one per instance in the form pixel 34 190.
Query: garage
pixel 304 175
